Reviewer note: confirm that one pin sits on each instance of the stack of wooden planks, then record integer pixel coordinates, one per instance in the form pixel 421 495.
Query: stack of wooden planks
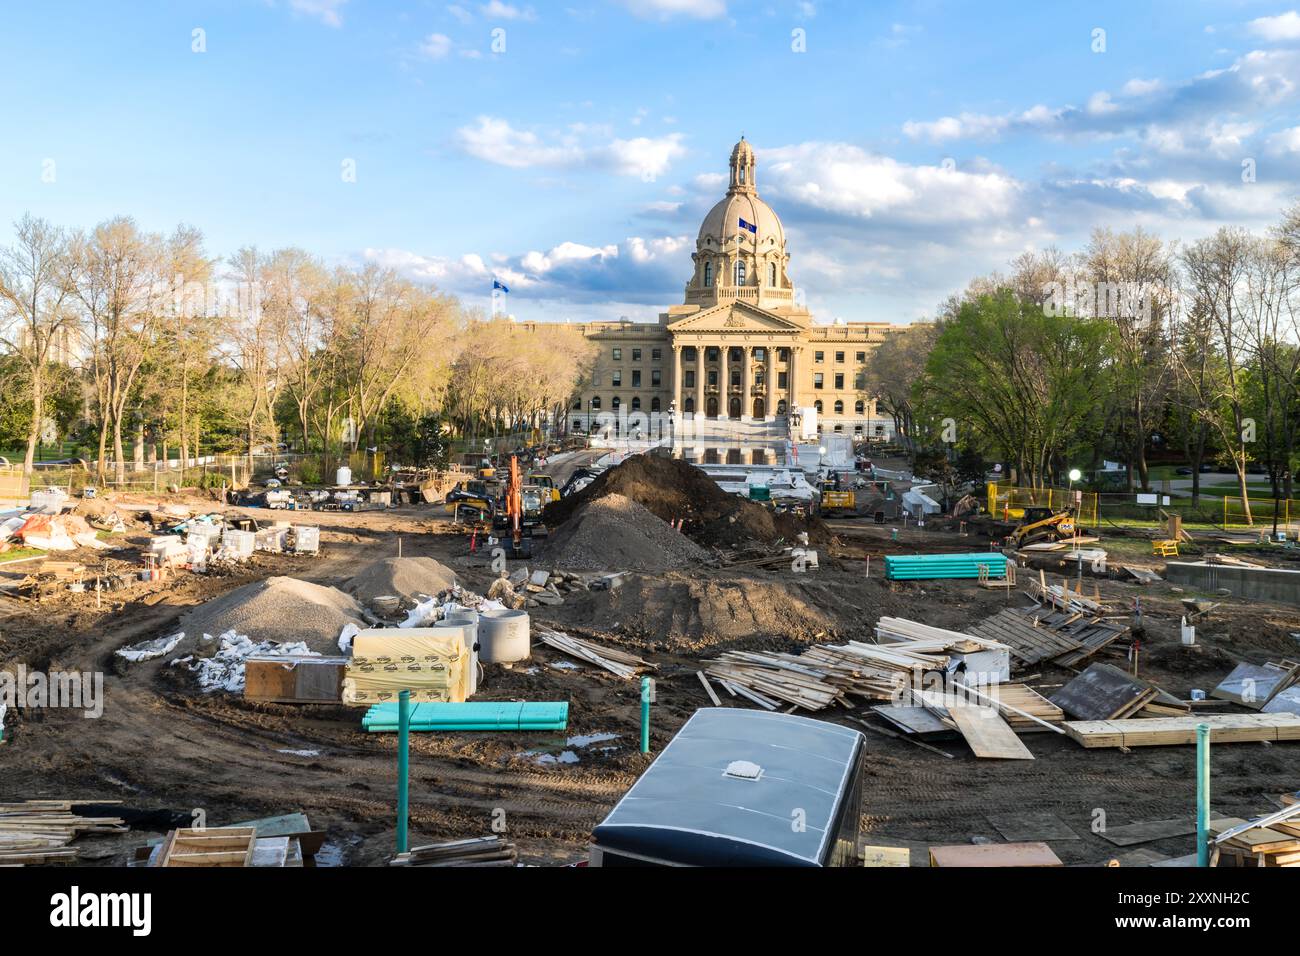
pixel 825 674
pixel 39 831
pixel 1169 731
pixel 619 663
pixel 479 851
pixel 1277 844
pixel 1028 642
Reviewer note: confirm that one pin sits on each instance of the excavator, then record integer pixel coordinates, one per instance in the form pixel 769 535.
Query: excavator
pixel 1044 524
pixel 520 513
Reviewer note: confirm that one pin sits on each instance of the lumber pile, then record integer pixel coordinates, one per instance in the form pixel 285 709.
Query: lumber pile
pixel 823 675
pixel 1277 844
pixel 39 831
pixel 1028 642
pixel 211 846
pixel 620 663
pixel 1104 692
pixel 479 851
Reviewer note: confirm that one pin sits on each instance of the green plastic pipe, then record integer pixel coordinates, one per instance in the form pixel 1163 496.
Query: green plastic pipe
pixel 1202 794
pixel 403 765
pixel 645 715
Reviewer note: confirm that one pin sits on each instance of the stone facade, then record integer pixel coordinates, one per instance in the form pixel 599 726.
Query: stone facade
pixel 740 347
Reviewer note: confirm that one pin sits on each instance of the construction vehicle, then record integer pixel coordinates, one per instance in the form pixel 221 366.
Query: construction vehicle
pixel 546 483
pixel 1044 524
pixel 834 500
pixel 519 513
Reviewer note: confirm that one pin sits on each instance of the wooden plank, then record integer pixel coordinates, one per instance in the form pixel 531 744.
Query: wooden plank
pixel 1168 731
pixel 1145 832
pixel 708 689
pixel 987 733
pixel 994 854
pixel 1031 826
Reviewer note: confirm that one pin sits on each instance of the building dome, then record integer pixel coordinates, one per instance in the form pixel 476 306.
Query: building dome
pixel 740 251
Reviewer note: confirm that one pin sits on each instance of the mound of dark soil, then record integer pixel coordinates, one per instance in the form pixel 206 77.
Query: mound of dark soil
pixel 614 533
pixel 673 489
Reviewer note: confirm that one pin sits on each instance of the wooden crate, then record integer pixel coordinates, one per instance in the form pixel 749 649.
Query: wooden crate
pixel 295 680
pixel 216 846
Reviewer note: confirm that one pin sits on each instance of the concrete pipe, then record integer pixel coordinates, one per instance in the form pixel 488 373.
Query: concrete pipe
pixel 466 622
pixel 504 636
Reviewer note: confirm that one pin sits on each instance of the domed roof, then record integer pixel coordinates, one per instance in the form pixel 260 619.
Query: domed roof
pixel 722 224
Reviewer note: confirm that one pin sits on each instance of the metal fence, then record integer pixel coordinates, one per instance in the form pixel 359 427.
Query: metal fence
pixel 1261 513
pixel 1007 501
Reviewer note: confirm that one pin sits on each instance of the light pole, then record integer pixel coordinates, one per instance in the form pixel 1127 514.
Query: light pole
pixel 1075 475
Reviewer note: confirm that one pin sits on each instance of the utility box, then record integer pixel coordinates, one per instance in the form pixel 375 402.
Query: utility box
pixel 742 788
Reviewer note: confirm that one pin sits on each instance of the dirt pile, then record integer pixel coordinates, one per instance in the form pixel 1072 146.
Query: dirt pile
pixel 673 489
pixel 407 578
pixel 685 612
pixel 615 533
pixel 277 609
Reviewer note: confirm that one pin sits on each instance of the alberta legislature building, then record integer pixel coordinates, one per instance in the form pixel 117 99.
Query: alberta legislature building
pixel 739 358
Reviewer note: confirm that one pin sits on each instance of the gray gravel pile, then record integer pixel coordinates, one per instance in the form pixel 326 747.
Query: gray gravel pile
pixel 614 533
pixel 278 609
pixel 407 578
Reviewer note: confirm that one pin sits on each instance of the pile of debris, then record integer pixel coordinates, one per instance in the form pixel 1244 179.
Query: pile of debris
pixel 614 532
pixel 677 491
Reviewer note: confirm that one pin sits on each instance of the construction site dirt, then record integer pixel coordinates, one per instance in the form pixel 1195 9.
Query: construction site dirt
pixel 162 742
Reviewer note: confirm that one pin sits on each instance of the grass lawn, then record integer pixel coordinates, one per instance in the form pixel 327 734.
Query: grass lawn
pixel 20 554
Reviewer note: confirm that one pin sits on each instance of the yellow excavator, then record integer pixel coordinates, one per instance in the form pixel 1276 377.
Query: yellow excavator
pixel 834 500
pixel 1044 524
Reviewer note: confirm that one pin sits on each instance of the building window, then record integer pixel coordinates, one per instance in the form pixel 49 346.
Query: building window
pixel 819 356
pixel 595 402
pixel 857 429
pixel 839 380
pixel 618 355
pixel 615 402
pixel 636 355
pixel 656 377
pixel 771 274
pixel 656 354
pixel 760 355
pixel 689 354
pixel 636 378
pixel 817 380
pixel 654 404
pixel 862 357
pixel 818 405
pixel 839 428
pixel 735 378
pixel 689 379
pixel 780 407
pixel 782 379
pixel 636 403
pixel 713 377
pixel 860 382
pixel 711 353
pixel 839 407
pixel 860 408
pixel 783 354
pixel 839 357
pixel 595 379
pixel 708 274
pixel 740 272
pixel 577 403
pixel 616 379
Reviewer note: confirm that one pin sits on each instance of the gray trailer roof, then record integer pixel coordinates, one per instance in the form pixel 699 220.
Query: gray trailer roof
pixel 687 807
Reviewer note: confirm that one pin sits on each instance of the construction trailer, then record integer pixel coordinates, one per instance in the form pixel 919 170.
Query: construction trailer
pixel 742 788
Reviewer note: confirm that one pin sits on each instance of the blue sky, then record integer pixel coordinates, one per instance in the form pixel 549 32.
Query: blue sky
pixel 573 147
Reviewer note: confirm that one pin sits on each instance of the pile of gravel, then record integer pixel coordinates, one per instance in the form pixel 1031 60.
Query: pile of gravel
pixel 614 533
pixel 278 609
pixel 406 578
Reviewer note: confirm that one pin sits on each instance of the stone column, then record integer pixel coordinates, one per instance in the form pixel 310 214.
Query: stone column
pixel 792 386
pixel 679 394
pixel 769 381
pixel 699 380
pixel 746 384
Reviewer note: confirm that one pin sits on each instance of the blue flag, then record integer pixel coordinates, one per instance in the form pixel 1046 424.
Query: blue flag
pixel 750 226
pixel 497 284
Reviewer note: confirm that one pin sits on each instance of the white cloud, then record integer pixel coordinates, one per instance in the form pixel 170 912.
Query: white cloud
pixel 327 12
pixel 666 9
pixel 435 46
pixel 460 13
pixel 496 10
pixel 496 141
pixel 1285 26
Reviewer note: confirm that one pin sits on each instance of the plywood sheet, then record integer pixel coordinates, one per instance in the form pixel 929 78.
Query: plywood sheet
pixel 1101 692
pixel 988 734
pixel 1145 832
pixel 994 854
pixel 1031 826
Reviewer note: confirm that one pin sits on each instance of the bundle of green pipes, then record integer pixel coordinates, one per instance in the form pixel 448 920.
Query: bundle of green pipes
pixel 473 715
pixel 916 567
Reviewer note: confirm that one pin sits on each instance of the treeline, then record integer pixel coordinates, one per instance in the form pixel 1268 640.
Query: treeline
pixel 117 337
pixel 1131 346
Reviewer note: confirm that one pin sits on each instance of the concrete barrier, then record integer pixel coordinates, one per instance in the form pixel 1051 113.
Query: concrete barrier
pixel 1257 584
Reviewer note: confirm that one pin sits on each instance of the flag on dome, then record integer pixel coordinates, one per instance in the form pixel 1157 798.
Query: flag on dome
pixel 750 226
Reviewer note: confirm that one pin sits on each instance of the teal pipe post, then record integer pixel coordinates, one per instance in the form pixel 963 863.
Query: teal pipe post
pixel 1202 795
pixel 645 715
pixel 403 765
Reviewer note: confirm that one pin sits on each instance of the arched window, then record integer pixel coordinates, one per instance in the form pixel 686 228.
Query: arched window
pixel 771 274
pixel 817 405
pixel 615 402
pixel 708 274
pixel 860 408
pixel 595 402
pixel 688 406
pixel 839 407
pixel 740 272
pixel 636 403
pixel 654 404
